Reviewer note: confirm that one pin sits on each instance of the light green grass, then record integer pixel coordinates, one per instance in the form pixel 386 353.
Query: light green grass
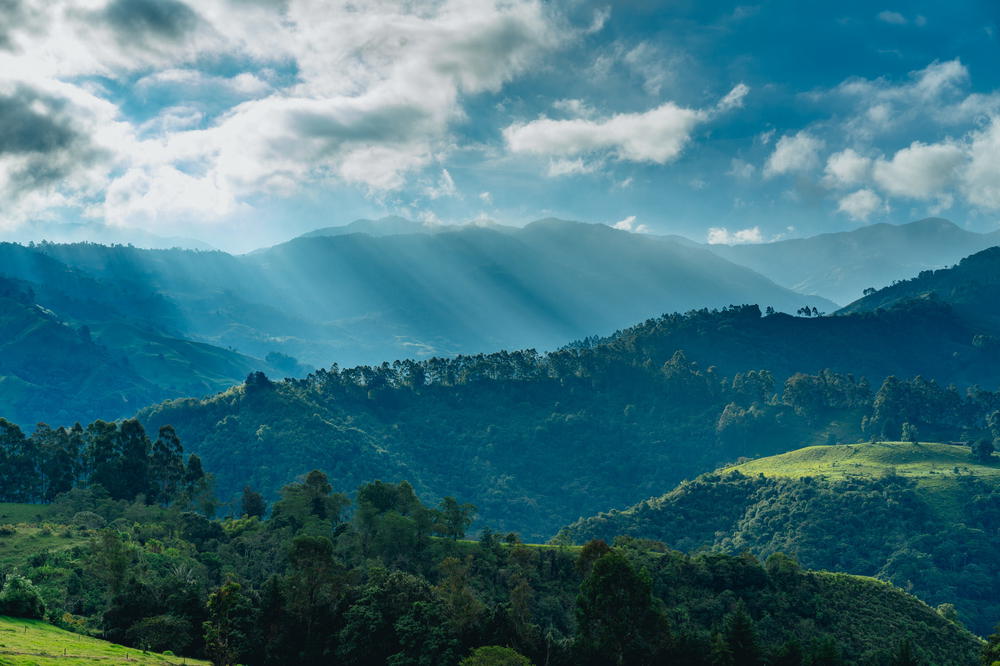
pixel 29 642
pixel 936 468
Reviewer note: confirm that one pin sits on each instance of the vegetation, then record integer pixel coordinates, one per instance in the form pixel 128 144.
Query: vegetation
pixel 32 642
pixel 389 582
pixel 923 516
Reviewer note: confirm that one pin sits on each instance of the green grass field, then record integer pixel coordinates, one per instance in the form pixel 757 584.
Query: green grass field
pixel 23 513
pixel 30 642
pixel 936 468
pixel 16 549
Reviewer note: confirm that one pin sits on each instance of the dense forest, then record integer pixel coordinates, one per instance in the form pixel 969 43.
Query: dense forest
pixel 389 580
pixel 935 534
pixel 525 436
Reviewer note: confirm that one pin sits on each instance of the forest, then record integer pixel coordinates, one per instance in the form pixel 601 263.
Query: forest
pixel 385 579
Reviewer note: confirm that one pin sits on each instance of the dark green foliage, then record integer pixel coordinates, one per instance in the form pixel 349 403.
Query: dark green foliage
pixel 229 627
pixel 252 503
pixel 495 655
pixel 983 449
pixel 991 651
pixel 617 619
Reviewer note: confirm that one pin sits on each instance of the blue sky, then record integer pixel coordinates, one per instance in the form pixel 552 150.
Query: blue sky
pixel 245 122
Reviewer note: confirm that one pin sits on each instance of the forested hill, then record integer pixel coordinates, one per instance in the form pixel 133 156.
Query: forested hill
pixel 971 288
pixel 923 516
pixel 538 440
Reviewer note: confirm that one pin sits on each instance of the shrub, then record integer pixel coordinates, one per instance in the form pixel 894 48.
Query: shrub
pixel 494 655
pixel 20 598
pixel 89 520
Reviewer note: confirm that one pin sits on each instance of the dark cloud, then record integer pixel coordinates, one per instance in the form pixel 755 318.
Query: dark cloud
pixel 136 20
pixel 40 129
pixel 27 129
pixel 391 123
pixel 12 15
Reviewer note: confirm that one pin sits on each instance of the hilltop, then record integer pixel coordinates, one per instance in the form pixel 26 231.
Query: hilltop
pixel 899 511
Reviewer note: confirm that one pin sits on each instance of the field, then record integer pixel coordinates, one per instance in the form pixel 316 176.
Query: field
pixel 30 642
pixel 936 468
pixel 15 549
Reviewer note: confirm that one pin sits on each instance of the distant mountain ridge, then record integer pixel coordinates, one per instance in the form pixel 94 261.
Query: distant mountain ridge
pixel 840 266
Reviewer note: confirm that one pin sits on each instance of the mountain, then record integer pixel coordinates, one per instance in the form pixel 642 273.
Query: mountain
pixel 93 232
pixel 971 289
pixel 385 226
pixel 363 298
pixel 840 266
pixel 75 348
pixel 922 516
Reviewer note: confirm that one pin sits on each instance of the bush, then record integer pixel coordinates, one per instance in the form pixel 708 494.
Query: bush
pixel 89 520
pixel 494 655
pixel 20 598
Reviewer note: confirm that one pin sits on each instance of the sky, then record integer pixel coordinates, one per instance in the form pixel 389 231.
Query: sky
pixel 246 122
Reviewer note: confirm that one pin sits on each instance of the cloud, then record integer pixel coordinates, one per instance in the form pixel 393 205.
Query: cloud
pixel 981 176
pixel 893 18
pixel 657 136
pixel 565 167
pixel 860 205
pixel 722 236
pixel 741 170
pixel 794 153
pixel 370 108
pixel 847 168
pixel 628 224
pixel 734 98
pixel 920 171
pixel 445 187
pixel 486 198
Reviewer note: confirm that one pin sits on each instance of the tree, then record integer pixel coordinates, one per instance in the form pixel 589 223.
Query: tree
pixel 991 651
pixel 617 621
pixel 982 451
pixel 252 504
pixel 166 466
pixel 455 517
pixel 229 628
pixel 904 655
pixel 20 598
pixel 741 637
pixel 908 433
pixel 495 655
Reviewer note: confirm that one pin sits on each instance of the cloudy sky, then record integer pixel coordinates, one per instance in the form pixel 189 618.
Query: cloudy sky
pixel 245 122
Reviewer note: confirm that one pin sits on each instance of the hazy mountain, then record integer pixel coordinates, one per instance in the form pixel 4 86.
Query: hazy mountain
pixel 840 266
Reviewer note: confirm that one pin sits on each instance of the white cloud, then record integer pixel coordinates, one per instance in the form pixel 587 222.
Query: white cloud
pixel 893 18
pixel 368 108
pixel 734 98
pixel 920 171
pixel 657 136
pixel 445 187
pixel 628 224
pixel 847 168
pixel 794 153
pixel 981 176
pixel 860 205
pixel 486 198
pixel 722 236
pixel 741 170
pixel 565 167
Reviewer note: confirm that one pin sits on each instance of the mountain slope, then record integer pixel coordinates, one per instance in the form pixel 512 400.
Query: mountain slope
pixel 839 266
pixel 971 289
pixel 900 511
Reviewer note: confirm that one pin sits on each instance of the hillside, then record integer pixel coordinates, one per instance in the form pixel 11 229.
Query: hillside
pixel 840 266
pixel 922 516
pixel 66 357
pixel 384 583
pixel 33 642
pixel 971 288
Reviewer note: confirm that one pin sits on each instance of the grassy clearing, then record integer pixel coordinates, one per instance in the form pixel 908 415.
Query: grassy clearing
pixel 936 468
pixel 23 513
pixel 30 642
pixel 16 549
